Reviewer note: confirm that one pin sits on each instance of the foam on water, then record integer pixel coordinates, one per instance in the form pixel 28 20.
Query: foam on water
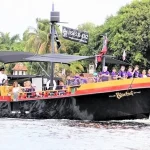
pixel 19 134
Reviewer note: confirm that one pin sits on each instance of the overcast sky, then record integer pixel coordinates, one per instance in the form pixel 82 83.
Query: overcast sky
pixel 17 15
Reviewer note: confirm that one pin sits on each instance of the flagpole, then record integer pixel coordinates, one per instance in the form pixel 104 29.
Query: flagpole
pixel 104 59
pixel 103 62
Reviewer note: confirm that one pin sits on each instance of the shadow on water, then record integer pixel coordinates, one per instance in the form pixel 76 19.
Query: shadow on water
pixel 136 125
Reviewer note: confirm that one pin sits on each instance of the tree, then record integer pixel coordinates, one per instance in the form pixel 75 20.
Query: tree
pixel 13 43
pixel 129 30
pixel 37 40
pixel 82 49
pixel 9 43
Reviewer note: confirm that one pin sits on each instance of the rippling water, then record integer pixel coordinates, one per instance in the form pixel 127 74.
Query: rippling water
pixel 19 134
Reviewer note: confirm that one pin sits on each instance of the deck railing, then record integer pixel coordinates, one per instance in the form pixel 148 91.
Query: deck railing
pixel 6 91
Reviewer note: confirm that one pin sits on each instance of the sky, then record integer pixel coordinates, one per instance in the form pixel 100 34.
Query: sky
pixel 17 15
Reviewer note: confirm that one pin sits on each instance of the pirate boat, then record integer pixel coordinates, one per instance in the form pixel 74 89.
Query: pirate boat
pixel 114 99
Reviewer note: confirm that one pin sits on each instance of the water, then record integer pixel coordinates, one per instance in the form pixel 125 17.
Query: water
pixel 19 134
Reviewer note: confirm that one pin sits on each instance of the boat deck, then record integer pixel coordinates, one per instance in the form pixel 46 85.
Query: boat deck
pixel 84 89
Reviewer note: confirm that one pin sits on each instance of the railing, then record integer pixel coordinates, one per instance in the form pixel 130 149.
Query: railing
pixel 45 93
pixel 7 95
pixel 20 95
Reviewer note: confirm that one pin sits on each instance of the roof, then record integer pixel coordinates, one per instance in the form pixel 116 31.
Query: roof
pixel 112 60
pixel 64 58
pixel 13 56
pixel 16 56
pixel 57 58
pixel 20 67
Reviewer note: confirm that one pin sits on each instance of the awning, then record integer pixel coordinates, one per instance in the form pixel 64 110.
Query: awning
pixel 57 58
pixel 64 58
pixel 13 56
pixel 112 60
pixel 16 56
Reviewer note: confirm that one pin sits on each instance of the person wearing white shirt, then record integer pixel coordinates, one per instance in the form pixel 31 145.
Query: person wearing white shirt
pixel 3 76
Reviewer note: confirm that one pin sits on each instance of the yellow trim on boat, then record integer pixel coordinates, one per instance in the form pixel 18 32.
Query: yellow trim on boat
pixel 112 83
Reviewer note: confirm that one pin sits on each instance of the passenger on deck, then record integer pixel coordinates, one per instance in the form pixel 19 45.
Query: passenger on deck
pixel 6 83
pixel 148 74
pixel 143 75
pixel 114 74
pixel 95 78
pixel 3 76
pixel 136 73
pixel 122 73
pixel 104 75
pixel 15 90
pixel 24 86
pixel 61 87
pixel 29 89
pixel 69 81
pixel 76 79
pixel 83 80
pixel 129 73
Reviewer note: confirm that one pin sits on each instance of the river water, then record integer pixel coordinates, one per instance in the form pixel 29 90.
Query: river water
pixel 19 134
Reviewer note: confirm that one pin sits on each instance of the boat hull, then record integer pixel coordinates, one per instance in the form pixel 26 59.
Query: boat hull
pixel 127 104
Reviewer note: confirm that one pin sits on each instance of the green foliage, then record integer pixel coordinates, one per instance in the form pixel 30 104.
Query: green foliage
pixel 37 39
pixel 129 30
pixel 10 43
pixel 75 67
pixel 13 43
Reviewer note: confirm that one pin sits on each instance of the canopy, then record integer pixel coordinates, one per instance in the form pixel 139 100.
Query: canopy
pixel 111 60
pixel 16 56
pixel 13 56
pixel 57 58
pixel 64 58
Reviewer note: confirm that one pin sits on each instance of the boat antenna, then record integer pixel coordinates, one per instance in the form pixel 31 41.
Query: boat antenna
pixel 54 18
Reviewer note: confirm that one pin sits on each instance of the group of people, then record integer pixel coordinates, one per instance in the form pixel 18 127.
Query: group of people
pixel 28 88
pixel 16 88
pixel 76 80
pixel 105 75
pixel 131 72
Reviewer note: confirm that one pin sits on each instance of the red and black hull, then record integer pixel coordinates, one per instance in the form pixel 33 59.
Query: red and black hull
pixel 102 106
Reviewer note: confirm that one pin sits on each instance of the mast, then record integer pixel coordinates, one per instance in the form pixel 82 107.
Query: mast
pixel 54 18
pixel 52 48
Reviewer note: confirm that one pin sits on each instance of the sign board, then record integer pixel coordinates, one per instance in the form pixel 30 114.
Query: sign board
pixel 75 35
pixel 91 68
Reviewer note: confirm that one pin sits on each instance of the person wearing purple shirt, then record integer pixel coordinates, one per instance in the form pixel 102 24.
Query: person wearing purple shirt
pixel 83 80
pixel 69 81
pixel 76 79
pixel 129 73
pixel 143 75
pixel 114 74
pixel 148 74
pixel 104 75
pixel 136 73
pixel 122 73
